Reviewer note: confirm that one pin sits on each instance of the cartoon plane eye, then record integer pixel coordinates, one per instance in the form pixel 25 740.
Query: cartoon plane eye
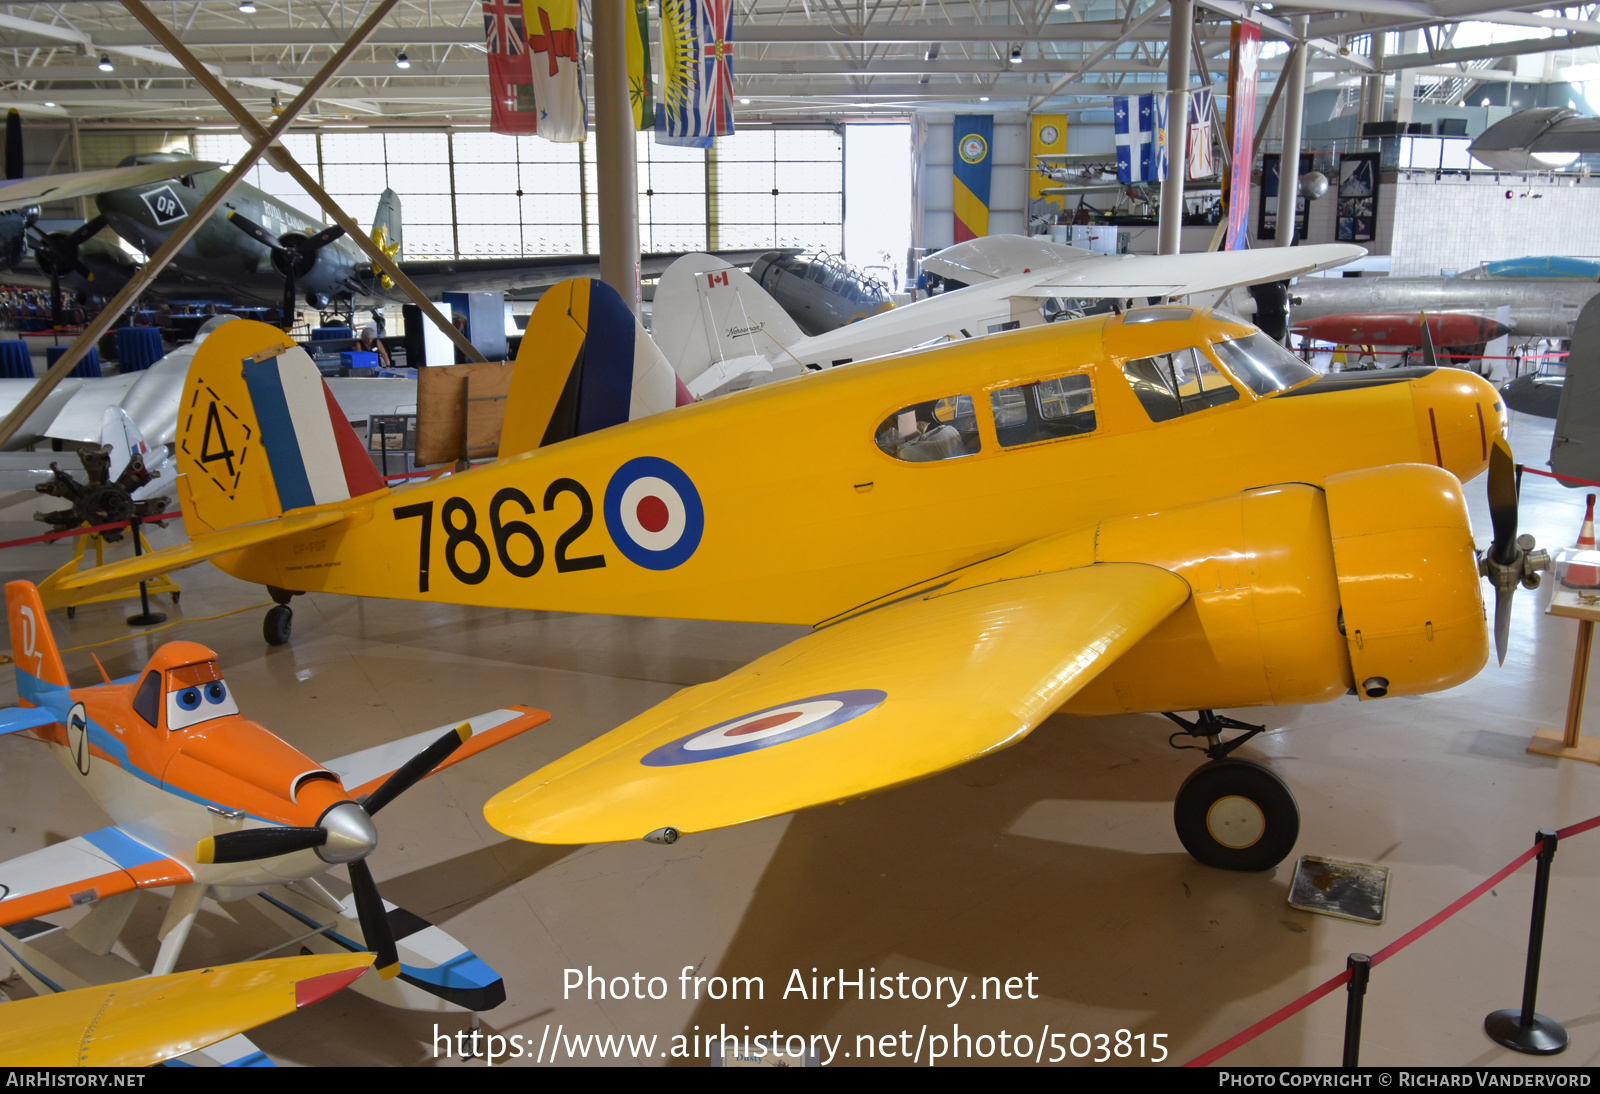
pixel 189 698
pixel 216 692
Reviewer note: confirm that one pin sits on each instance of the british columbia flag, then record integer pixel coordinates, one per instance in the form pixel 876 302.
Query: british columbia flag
pixel 696 101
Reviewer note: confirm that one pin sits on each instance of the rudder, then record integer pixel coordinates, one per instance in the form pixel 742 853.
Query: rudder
pixel 257 441
pixel 707 311
pixel 33 647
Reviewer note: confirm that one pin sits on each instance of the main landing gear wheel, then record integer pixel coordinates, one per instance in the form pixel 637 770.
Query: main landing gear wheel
pixel 1236 815
pixel 279 621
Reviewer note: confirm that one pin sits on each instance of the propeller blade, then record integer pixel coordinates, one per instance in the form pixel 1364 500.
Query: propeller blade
pixel 323 238
pixel 288 298
pixel 415 769
pixel 13 144
pixel 1503 501
pixel 1502 620
pixel 374 920
pixel 1429 357
pixel 257 843
pixel 79 235
pixel 255 231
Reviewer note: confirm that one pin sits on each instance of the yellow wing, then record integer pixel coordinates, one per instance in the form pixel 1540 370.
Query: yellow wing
pixel 883 698
pixel 142 1022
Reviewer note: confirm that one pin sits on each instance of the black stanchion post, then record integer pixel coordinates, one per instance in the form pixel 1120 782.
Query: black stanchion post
pixel 146 617
pixel 1524 1030
pixel 1360 966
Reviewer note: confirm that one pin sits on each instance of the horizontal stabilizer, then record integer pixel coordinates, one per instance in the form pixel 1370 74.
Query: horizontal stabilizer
pixel 1134 276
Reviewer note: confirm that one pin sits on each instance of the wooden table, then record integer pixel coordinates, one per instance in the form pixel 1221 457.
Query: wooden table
pixel 1571 744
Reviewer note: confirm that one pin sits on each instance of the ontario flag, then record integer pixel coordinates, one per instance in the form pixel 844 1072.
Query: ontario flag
pixel 555 51
pixel 511 108
pixel 696 102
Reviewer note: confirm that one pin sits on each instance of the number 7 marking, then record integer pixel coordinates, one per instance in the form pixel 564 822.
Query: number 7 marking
pixel 425 511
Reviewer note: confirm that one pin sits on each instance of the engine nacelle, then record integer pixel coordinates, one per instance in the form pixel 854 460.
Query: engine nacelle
pixel 1300 594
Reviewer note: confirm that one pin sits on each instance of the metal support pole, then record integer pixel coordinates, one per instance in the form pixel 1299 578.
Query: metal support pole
pixel 1523 1029
pixel 1360 966
pixel 183 232
pixel 1293 113
pixel 146 617
pixel 1180 41
pixel 615 161
pixel 280 158
pixel 1375 83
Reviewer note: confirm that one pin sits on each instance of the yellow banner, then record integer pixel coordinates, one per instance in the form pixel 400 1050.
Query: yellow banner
pixel 1049 135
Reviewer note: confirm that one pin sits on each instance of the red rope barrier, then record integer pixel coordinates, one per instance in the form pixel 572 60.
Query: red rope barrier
pixel 85 531
pixel 1326 987
pixel 1563 478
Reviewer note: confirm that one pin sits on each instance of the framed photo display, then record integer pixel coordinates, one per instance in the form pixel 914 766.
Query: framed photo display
pixel 1267 220
pixel 1358 198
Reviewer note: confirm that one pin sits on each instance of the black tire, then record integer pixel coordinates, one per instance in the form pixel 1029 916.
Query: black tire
pixel 72 613
pixel 277 625
pixel 1236 815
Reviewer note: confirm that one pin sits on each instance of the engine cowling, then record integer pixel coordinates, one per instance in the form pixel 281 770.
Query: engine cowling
pixel 1301 593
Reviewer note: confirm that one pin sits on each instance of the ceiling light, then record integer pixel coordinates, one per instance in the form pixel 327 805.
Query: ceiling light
pixel 49 104
pixel 105 62
pixel 744 102
pixel 247 8
pixel 1063 5
pixel 1016 55
pixel 983 98
pixel 402 61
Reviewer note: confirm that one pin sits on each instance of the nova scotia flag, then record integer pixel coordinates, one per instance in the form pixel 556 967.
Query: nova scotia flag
pixel 1135 126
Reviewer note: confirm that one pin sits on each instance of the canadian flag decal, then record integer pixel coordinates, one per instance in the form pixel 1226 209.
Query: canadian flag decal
pixel 715 279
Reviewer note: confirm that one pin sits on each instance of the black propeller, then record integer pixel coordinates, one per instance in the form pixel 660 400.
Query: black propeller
pixel 1510 560
pixel 13 144
pixel 345 834
pixel 293 257
pixel 57 255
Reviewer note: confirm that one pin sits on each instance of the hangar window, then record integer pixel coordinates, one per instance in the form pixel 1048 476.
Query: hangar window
pixel 1043 411
pixel 1170 385
pixel 939 429
pixel 1262 363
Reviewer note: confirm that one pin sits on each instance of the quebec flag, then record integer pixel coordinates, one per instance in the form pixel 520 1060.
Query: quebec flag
pixel 1135 125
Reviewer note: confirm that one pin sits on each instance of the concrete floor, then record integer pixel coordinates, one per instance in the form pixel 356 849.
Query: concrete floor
pixel 1055 858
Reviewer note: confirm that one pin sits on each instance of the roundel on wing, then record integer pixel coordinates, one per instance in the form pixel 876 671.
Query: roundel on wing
pixel 974 148
pixel 760 729
pixel 653 513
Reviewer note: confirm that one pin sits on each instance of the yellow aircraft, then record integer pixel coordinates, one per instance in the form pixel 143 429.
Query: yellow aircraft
pixel 1155 511
pixel 141 1022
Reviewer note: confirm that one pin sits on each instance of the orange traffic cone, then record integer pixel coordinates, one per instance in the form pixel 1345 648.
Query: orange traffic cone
pixel 1584 575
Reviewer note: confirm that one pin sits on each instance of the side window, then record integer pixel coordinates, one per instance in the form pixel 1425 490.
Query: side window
pixel 1043 411
pixel 147 702
pixel 1185 381
pixel 939 429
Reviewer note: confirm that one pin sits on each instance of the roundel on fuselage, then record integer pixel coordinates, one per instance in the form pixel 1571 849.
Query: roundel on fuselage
pixel 653 513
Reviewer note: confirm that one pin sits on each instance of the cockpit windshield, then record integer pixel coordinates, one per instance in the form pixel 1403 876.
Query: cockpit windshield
pixel 195 694
pixel 1262 364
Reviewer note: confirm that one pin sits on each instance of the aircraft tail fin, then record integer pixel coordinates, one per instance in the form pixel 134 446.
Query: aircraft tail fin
pixel 122 435
pixel 707 311
pixel 33 647
pixel 265 439
pixel 586 363
pixel 387 230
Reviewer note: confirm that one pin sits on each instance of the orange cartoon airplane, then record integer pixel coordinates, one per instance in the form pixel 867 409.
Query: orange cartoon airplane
pixel 207 803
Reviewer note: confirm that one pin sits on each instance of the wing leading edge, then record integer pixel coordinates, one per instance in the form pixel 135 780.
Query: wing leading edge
pixel 883 698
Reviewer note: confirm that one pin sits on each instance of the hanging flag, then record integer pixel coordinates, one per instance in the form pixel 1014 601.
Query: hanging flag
pixel 1241 130
pixel 1049 137
pixel 696 72
pixel 1135 127
pixel 640 96
pixel 511 107
pixel 1202 161
pixel 1158 113
pixel 974 136
pixel 555 53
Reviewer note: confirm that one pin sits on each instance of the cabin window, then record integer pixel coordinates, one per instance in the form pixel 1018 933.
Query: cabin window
pixel 1262 363
pixel 1170 385
pixel 147 702
pixel 1046 410
pixel 939 429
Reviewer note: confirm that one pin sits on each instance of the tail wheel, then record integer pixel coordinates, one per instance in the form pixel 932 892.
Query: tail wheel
pixel 1236 815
